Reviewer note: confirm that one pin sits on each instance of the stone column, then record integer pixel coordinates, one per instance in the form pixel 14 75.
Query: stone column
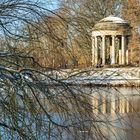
pixel 123 50
pixel 127 62
pixel 103 50
pixel 113 50
pixel 93 50
pixel 96 51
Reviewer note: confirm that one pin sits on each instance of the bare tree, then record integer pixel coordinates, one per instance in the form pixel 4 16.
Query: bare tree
pixel 130 11
pixel 32 107
pixel 83 15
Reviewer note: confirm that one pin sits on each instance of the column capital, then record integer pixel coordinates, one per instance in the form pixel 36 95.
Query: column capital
pixel 113 36
pixel 95 35
pixel 103 35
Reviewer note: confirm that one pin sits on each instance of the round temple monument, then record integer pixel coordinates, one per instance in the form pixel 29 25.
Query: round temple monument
pixel 110 38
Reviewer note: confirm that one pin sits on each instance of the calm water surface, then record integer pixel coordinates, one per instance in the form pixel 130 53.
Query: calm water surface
pixel 103 113
pixel 120 110
pixel 114 111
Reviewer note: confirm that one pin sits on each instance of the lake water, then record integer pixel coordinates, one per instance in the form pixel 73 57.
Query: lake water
pixel 75 113
pixel 102 113
pixel 118 112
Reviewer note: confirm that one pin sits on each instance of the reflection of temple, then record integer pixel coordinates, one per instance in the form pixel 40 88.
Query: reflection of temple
pixel 111 105
pixel 110 41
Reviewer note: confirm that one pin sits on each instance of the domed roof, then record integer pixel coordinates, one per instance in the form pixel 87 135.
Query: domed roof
pixel 112 23
pixel 113 19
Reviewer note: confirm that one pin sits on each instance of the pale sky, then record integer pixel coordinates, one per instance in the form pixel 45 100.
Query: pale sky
pixel 50 4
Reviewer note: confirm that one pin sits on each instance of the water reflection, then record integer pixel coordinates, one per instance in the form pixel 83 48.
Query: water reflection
pixel 118 111
pixel 114 104
pixel 78 113
pixel 102 113
pixel 101 100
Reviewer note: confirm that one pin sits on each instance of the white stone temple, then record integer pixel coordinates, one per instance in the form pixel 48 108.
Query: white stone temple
pixel 110 38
